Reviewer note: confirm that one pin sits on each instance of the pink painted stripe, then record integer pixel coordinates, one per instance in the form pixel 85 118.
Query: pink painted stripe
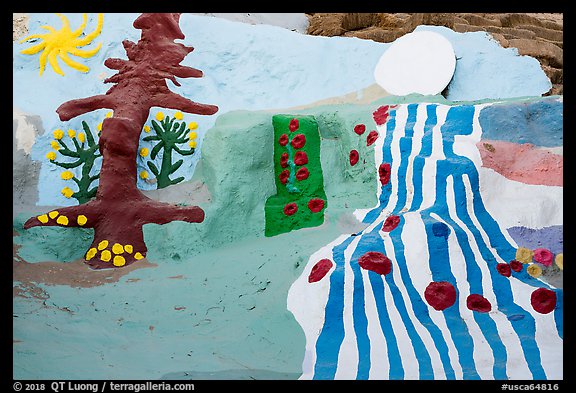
pixel 522 162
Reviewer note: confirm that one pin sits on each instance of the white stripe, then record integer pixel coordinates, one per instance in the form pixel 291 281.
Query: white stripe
pixel 348 354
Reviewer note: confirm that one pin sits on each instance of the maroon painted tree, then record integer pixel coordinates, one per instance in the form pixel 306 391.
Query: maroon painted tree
pixel 119 209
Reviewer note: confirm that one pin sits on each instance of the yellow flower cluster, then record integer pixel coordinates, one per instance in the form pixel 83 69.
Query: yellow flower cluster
pixel 144 175
pixel 144 152
pixel 81 137
pixel 114 254
pixel 67 175
pixel 55 145
pixel 146 128
pixel 51 155
pixel 67 192
pixel 58 134
pixel 178 115
pixel 525 255
pixel 160 116
pixel 71 133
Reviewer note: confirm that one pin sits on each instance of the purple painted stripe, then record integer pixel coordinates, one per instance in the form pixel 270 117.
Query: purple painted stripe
pixel 551 238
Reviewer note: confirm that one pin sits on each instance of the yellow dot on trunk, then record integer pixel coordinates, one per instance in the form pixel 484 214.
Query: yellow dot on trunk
pixel 138 256
pixel 62 220
pixel 43 218
pixel 128 248
pixel 117 248
pixel 53 214
pixel 103 244
pixel 81 219
pixel 106 255
pixel 90 254
pixel 119 261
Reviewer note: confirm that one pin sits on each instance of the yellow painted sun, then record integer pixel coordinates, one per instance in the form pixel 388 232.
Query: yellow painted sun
pixel 64 42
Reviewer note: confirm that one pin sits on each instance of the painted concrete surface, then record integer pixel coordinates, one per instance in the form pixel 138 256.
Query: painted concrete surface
pixel 211 300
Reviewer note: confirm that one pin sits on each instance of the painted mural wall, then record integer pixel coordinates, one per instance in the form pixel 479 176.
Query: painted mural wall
pixel 200 198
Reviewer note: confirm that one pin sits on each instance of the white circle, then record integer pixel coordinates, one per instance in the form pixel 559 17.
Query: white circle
pixel 420 62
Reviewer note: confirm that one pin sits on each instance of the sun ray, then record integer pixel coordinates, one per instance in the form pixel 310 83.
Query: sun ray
pixel 73 64
pixel 64 42
pixel 80 29
pixel 34 49
pixel 85 53
pixel 89 37
pixel 43 58
pixel 53 60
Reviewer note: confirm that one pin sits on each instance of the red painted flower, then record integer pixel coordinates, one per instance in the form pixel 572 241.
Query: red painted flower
pixel 319 270
pixel 371 138
pixel 299 141
pixel 375 261
pixel 284 160
pixel 384 173
pixel 478 303
pixel 300 158
pixel 315 205
pixel 359 129
pixel 290 209
pixel 543 300
pixel 390 223
pixel 283 141
pixel 381 115
pixel 294 124
pixel 354 156
pixel 543 256
pixel 284 175
pixel 440 295
pixel 503 269
pixel 302 173
pixel 516 265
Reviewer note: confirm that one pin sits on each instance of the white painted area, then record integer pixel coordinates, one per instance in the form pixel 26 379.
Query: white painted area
pixel 25 132
pixel 379 360
pixel 514 203
pixel 420 62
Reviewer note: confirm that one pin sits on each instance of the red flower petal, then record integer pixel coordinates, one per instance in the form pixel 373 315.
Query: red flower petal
pixel 478 303
pixel 290 209
pixel 354 156
pixel 375 261
pixel 440 295
pixel 302 173
pixel 320 269
pixel 390 223
pixel 294 124
pixel 359 129
pixel 384 173
pixel 381 115
pixel 315 205
pixel 283 141
pixel 284 175
pixel 298 141
pixel 503 269
pixel 371 138
pixel 516 265
pixel 284 160
pixel 300 158
pixel 543 300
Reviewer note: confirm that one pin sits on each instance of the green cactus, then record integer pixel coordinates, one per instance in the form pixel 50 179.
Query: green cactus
pixel 85 153
pixel 169 134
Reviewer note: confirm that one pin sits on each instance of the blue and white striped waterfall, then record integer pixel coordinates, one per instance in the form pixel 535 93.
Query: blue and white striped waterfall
pixel 363 325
